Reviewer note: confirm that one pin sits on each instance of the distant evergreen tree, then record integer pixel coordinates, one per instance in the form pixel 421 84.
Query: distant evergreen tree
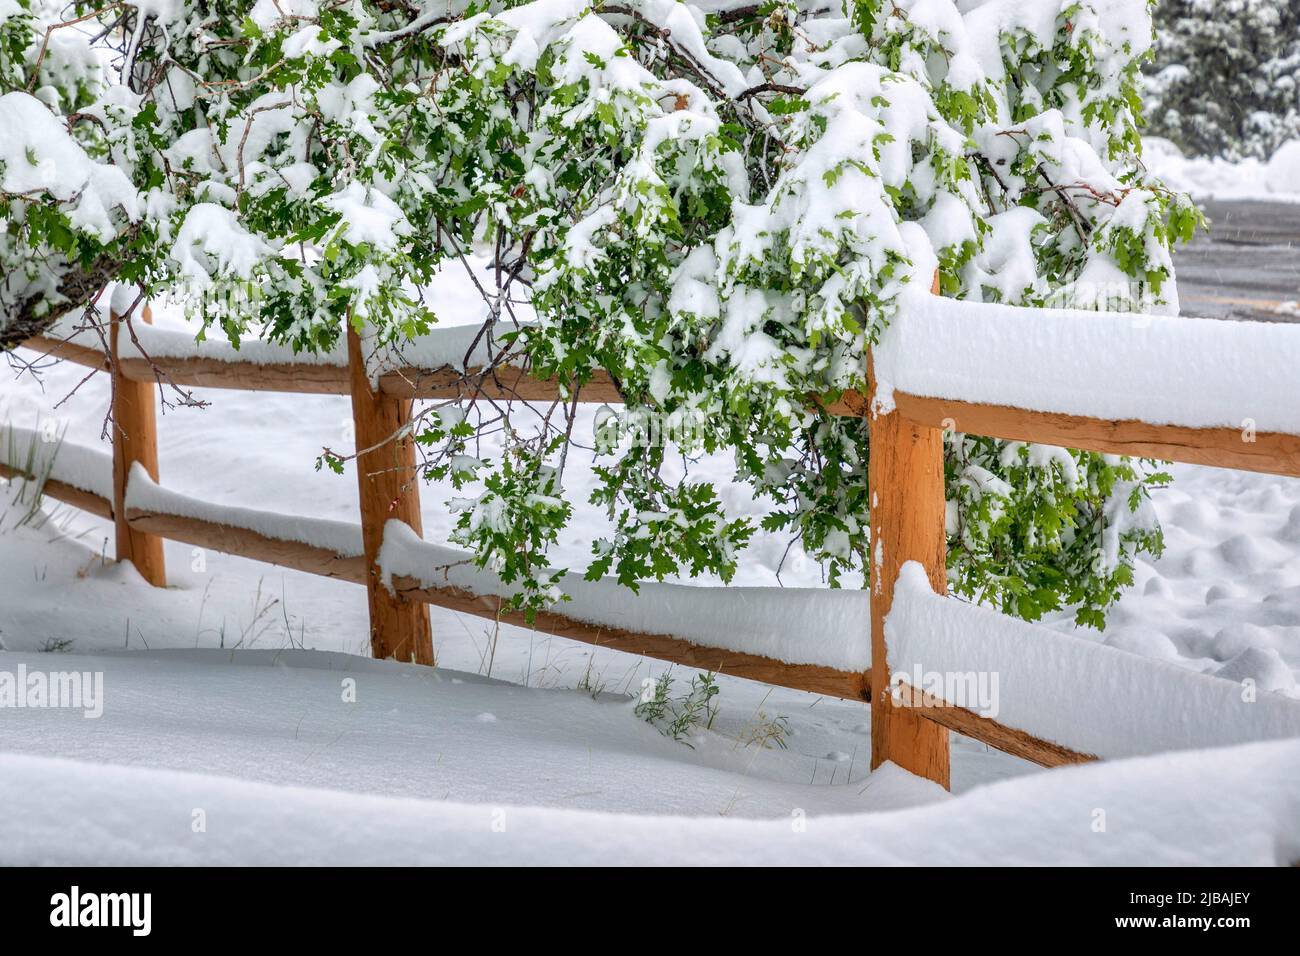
pixel 1225 80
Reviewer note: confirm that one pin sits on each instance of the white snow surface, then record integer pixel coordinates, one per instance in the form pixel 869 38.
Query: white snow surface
pixel 285 771
pixel 1282 174
pixel 1078 693
pixel 418 733
pixel 1166 370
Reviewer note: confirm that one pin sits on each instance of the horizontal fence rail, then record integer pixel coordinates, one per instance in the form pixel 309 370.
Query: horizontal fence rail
pixel 1274 453
pixel 446 383
pixel 962 720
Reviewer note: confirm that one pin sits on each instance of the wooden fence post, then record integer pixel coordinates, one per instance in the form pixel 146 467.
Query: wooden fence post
pixel 907 524
pixel 135 439
pixel 388 486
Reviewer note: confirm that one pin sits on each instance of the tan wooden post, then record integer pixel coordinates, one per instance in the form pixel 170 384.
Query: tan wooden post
pixel 389 488
pixel 135 439
pixel 907 524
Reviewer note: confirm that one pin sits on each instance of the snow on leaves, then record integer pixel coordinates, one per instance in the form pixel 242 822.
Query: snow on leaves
pixel 716 204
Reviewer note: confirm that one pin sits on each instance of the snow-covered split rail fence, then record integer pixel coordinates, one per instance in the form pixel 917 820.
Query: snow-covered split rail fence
pixel 744 632
pixel 1200 391
pixel 1186 390
pixel 445 368
pixel 807 638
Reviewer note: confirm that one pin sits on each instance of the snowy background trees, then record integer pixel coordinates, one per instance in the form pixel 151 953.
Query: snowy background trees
pixel 1225 80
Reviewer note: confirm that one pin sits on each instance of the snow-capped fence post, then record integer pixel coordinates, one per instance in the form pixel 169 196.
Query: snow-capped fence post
pixel 135 439
pixel 389 489
pixel 907 524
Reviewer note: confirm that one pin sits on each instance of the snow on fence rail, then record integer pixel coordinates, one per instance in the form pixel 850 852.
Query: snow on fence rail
pixel 449 364
pixel 1203 391
pixel 1101 700
pixel 1184 390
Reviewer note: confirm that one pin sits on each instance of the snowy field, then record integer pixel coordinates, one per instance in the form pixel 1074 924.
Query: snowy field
pixel 225 694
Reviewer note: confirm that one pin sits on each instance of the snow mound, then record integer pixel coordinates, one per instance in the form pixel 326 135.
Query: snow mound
pixel 1264 666
pixel 1206 177
pixel 1282 175
pixel 1165 810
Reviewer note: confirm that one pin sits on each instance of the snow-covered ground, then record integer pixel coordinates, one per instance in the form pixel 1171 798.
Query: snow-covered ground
pixel 1167 810
pixel 225 693
pixel 1225 596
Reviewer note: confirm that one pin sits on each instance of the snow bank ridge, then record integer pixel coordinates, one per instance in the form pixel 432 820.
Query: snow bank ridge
pixel 1165 810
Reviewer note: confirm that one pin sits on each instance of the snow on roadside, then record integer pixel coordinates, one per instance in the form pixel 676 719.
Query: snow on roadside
pixel 1213 178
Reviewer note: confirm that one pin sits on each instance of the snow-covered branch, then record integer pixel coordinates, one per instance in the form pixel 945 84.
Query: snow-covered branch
pixel 717 207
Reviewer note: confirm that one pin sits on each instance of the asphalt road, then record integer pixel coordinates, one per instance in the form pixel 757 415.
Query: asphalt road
pixel 1246 266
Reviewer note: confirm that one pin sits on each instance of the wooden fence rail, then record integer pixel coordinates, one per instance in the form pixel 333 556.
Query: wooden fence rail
pixel 309 378
pixel 907 516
